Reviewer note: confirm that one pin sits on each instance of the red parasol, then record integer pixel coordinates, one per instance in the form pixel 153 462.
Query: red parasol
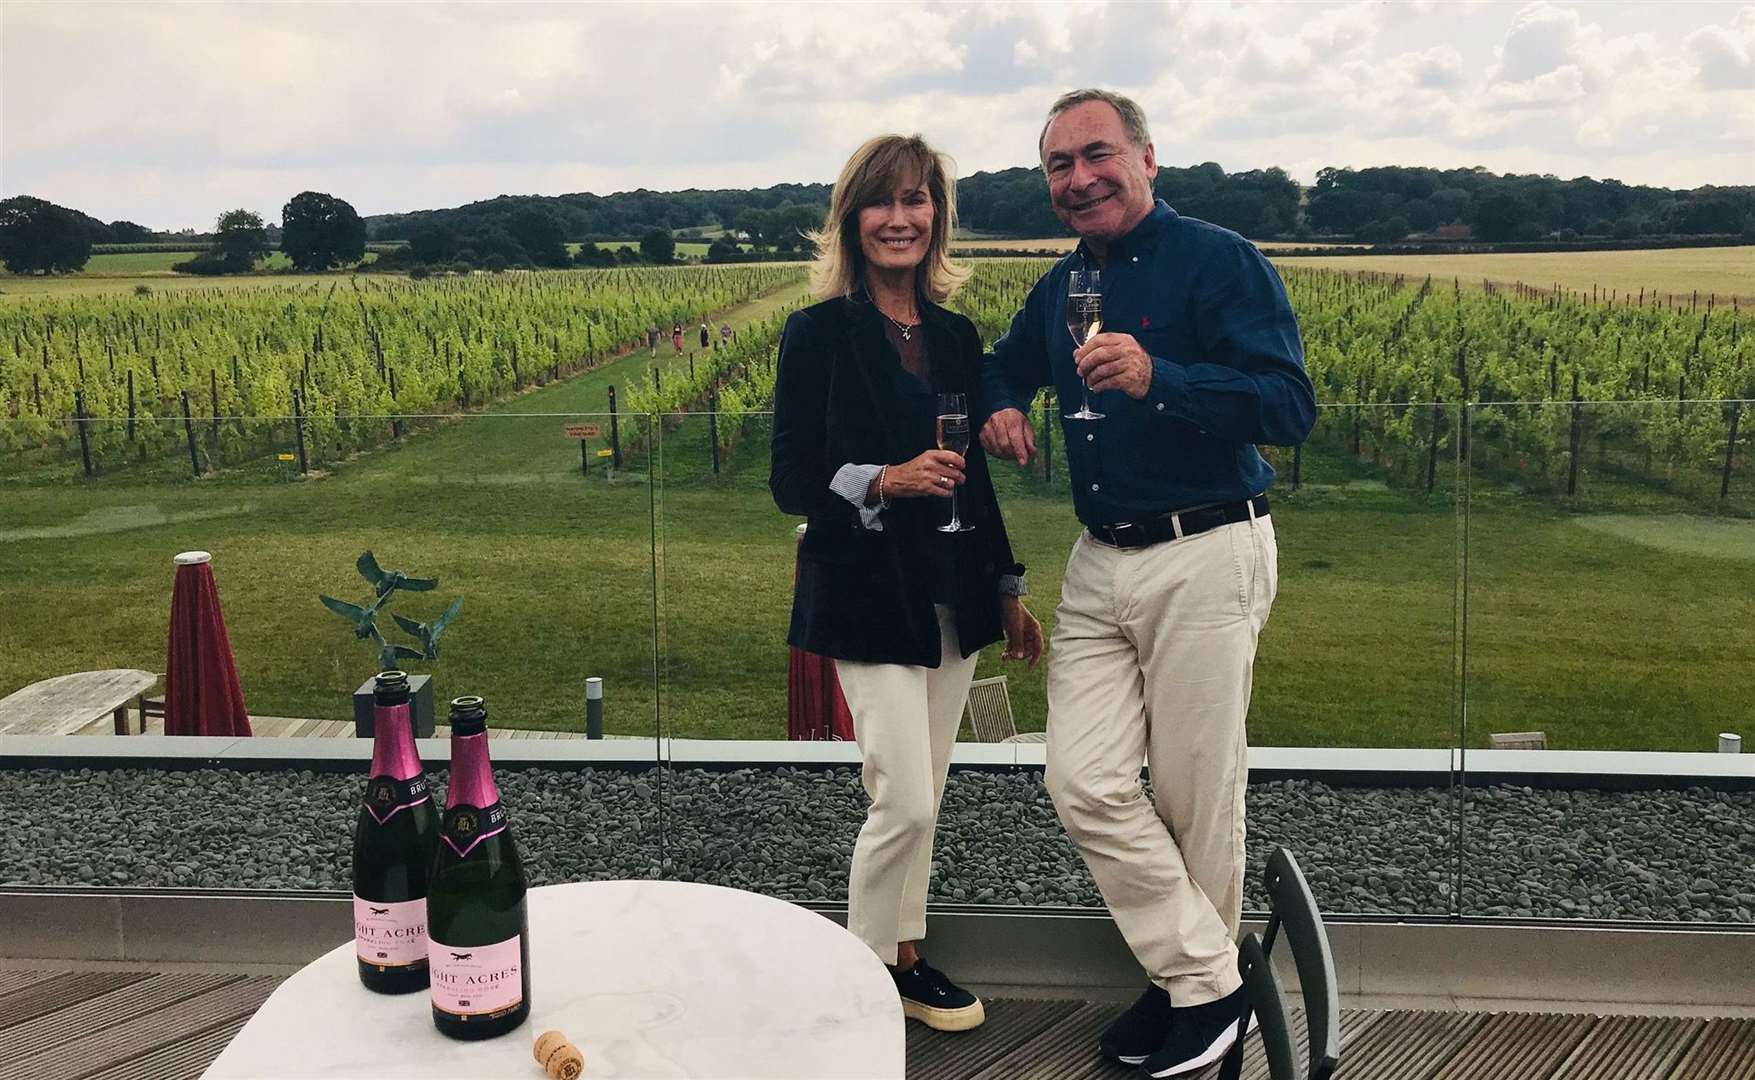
pixel 815 706
pixel 202 696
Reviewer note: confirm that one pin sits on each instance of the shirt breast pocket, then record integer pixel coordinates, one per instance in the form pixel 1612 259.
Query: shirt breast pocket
pixel 1157 327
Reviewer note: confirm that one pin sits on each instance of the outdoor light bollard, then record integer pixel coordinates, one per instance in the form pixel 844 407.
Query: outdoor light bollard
pixel 1729 742
pixel 594 708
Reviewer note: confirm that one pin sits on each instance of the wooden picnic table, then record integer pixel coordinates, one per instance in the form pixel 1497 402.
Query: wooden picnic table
pixel 64 704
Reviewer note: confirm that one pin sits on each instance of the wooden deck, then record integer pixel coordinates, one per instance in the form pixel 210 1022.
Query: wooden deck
pixel 147 1025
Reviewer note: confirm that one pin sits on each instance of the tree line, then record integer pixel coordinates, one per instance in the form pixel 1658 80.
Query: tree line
pixel 1375 205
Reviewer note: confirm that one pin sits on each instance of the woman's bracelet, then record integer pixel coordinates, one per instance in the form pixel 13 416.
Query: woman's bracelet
pixel 883 499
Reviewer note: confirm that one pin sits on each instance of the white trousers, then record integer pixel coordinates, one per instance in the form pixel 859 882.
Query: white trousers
pixel 905 719
pixel 1151 658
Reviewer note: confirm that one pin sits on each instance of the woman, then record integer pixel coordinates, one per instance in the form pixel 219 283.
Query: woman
pixel 902 607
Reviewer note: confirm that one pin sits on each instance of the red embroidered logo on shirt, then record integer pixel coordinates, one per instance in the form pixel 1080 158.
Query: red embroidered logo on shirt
pixel 1145 322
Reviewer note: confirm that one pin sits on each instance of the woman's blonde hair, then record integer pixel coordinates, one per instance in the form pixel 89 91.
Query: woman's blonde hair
pixel 871 173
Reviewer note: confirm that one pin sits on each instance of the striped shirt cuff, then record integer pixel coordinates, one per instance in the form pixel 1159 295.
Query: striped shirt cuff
pixel 851 482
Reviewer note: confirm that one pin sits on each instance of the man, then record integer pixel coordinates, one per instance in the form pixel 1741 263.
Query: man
pixel 1166 592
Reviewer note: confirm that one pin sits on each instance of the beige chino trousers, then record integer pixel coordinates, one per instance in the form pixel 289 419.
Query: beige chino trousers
pixel 905 720
pixel 1151 658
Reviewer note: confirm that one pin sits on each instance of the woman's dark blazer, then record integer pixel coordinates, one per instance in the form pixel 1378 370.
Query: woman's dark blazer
pixel 863 594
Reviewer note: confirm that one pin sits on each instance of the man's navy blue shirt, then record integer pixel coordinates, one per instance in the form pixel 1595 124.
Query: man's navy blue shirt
pixel 1227 371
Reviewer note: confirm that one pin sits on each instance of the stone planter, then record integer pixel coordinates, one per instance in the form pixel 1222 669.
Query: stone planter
pixel 420 701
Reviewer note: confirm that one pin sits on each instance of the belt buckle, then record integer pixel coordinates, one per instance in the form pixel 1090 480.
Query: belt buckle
pixel 1120 529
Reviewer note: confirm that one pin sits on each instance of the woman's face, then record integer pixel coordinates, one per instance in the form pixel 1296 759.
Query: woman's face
pixel 895 229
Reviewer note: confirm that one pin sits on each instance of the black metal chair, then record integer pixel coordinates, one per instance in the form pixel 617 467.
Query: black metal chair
pixel 1291 907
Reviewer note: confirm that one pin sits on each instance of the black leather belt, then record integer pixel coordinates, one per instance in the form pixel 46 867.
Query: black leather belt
pixel 1178 525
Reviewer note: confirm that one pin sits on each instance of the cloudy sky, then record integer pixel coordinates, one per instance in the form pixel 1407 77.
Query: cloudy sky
pixel 167 114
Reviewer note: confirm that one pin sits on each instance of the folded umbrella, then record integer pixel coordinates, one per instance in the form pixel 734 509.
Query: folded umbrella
pixel 816 710
pixel 202 695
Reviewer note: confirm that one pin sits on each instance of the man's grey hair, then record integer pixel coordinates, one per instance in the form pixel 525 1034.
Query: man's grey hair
pixel 1133 118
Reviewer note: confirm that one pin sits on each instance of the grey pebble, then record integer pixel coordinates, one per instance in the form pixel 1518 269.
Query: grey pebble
pixel 1672 855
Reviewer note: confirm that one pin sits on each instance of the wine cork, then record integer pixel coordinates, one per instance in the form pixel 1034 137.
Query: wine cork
pixel 558 1057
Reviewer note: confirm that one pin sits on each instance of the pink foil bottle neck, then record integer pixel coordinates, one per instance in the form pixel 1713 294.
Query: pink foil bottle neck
pixel 472 775
pixel 393 750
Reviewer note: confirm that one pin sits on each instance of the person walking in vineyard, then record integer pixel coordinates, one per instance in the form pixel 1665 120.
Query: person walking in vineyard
pixel 706 336
pixel 872 404
pixel 1191 357
pixel 725 334
pixel 676 337
pixel 652 338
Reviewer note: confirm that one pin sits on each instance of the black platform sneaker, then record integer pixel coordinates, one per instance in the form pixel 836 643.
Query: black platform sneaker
pixel 934 1000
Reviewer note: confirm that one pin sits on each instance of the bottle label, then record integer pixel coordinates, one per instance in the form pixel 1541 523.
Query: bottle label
pixel 390 934
pixel 463 827
pixel 387 796
pixel 476 980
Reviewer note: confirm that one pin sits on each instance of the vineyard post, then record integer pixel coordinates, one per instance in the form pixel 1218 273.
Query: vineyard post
pixel 81 421
pixel 1724 484
pixel 395 423
pixel 299 430
pixel 213 399
pixel 1577 439
pixel 713 427
pixel 615 434
pixel 130 404
pixel 189 433
pixel 1431 451
pixel 1297 466
pixel 36 391
pixel 1048 434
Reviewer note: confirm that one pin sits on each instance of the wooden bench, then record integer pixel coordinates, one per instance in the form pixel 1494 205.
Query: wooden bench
pixel 64 704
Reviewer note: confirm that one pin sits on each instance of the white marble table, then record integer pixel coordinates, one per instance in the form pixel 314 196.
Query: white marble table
pixel 647 978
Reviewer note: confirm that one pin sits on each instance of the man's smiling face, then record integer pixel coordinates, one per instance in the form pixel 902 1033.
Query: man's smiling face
pixel 1099 182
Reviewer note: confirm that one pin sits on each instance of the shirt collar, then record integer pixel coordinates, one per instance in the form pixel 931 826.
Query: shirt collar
pixel 1142 238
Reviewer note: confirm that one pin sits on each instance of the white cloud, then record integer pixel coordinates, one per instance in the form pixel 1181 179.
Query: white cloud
pixel 1725 55
pixel 174 112
pixel 1539 41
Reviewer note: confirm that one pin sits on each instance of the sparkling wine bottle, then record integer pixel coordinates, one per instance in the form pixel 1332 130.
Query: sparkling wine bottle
pixel 393 850
pixel 477 923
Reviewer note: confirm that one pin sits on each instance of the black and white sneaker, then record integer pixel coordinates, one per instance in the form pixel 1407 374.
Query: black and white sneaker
pixel 1139 1031
pixel 934 1000
pixel 1199 1036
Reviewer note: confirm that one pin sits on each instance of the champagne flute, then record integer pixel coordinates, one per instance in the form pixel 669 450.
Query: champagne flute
pixel 1084 319
pixel 953 435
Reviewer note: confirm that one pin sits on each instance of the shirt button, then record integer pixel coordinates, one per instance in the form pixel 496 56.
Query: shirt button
pixel 1136 258
pixel 1090 438
pixel 1160 406
pixel 1094 487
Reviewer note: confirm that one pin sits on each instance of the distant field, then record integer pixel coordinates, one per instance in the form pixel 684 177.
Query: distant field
pixel 692 249
pixel 27 288
pixel 971 241
pixel 1725 271
pixel 1052 243
pixel 138 263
